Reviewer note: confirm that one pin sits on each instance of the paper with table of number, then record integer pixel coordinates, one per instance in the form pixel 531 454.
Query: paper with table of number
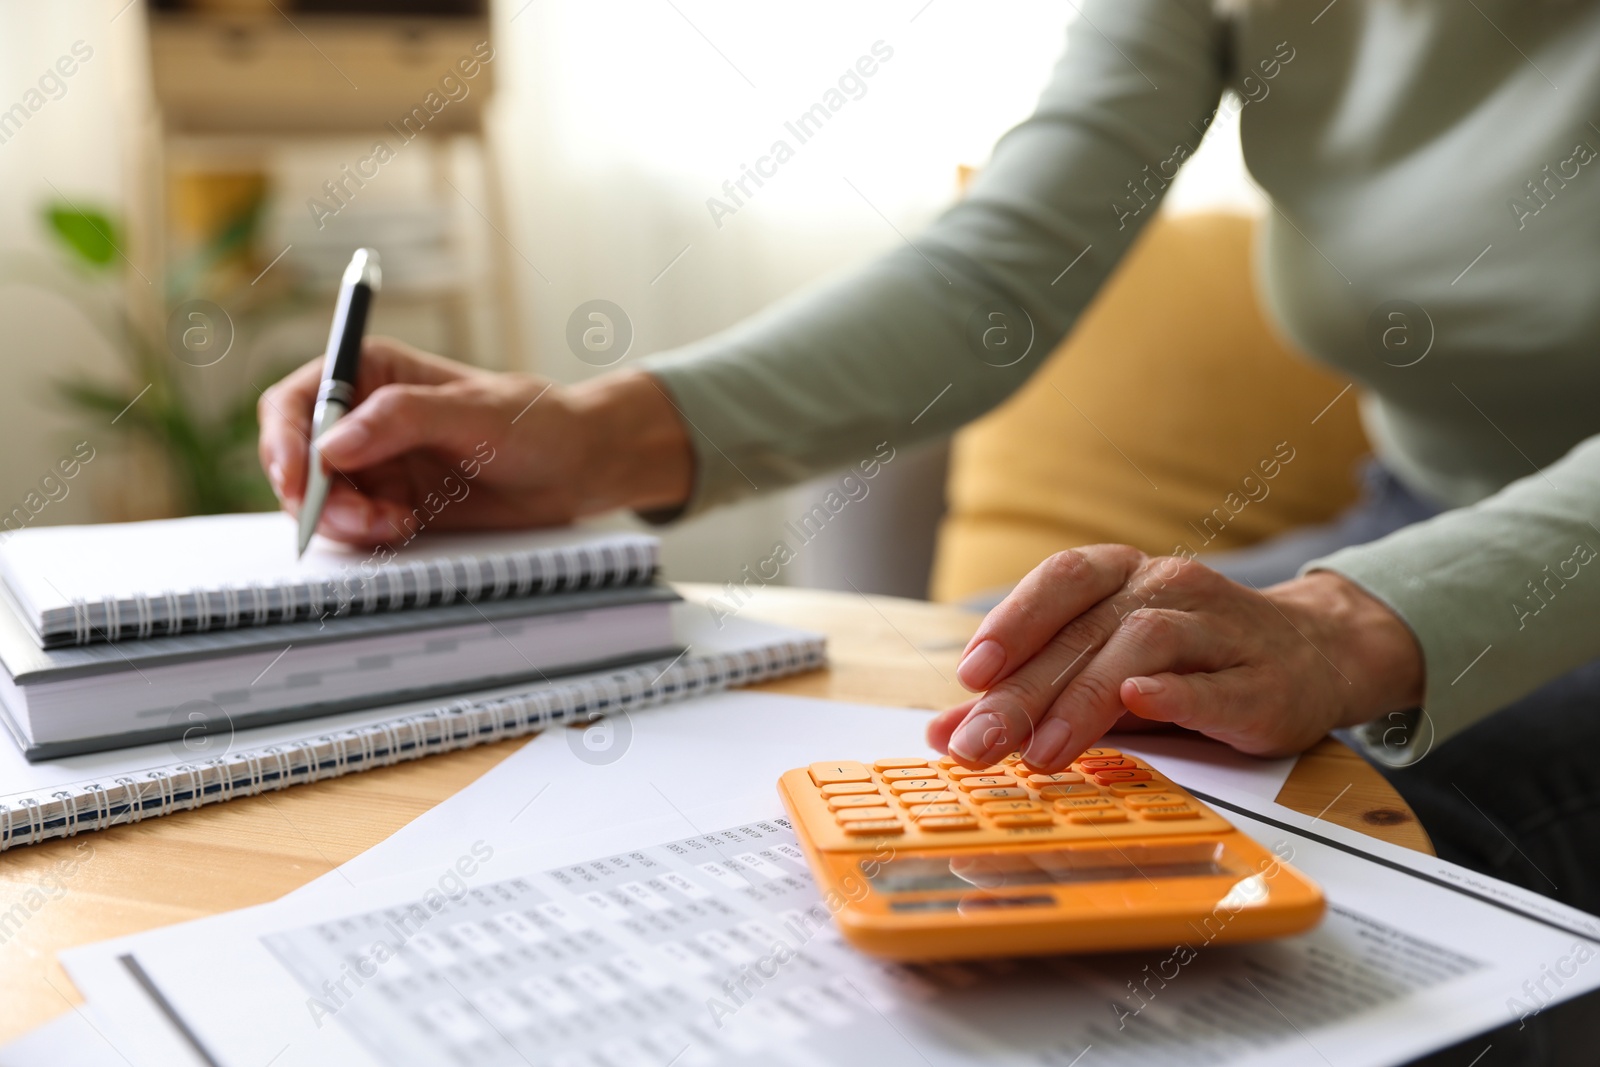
pixel 710 945
pixel 133 580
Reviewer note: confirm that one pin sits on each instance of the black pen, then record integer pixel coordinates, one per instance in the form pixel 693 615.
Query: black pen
pixel 337 395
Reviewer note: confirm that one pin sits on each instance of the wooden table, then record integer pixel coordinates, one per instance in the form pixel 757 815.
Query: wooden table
pixel 255 849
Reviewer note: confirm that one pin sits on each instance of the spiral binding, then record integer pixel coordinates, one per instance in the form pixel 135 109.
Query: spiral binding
pixel 25 820
pixel 392 587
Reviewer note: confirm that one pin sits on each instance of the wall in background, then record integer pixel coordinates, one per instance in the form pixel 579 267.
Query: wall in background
pixel 622 119
pixel 72 143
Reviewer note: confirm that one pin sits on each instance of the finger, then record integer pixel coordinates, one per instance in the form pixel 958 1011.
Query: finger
pixel 944 724
pixel 1148 641
pixel 1171 697
pixel 284 414
pixel 1221 704
pixel 1053 594
pixel 285 409
pixel 1002 719
pixel 400 418
pixel 387 504
pixel 358 518
pixel 386 361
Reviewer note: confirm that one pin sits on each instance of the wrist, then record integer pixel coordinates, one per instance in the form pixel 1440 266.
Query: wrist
pixel 1363 638
pixel 635 450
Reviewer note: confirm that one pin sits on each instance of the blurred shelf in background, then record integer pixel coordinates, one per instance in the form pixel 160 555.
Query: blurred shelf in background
pixel 351 123
pixel 247 67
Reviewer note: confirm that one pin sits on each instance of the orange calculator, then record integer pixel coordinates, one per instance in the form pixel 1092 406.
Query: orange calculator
pixel 926 859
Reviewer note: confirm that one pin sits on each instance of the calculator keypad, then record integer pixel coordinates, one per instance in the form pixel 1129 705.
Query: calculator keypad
pixel 1104 792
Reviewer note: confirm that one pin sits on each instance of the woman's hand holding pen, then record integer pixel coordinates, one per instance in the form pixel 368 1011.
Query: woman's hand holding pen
pixel 541 454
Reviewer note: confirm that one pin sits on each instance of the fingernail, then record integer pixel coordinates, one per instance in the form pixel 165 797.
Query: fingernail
pixel 1045 749
pixel 981 739
pixel 1146 686
pixel 346 436
pixel 275 476
pixel 978 667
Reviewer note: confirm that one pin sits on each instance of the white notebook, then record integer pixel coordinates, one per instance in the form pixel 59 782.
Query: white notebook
pixel 62 797
pixel 124 581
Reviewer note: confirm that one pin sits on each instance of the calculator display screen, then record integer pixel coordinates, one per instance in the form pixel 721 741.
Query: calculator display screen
pixel 996 870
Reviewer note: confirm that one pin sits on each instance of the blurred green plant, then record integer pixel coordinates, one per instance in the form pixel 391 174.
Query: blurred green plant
pixel 206 442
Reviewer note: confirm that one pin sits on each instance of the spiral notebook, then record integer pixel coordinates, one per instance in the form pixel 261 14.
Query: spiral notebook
pixel 76 585
pixel 59 798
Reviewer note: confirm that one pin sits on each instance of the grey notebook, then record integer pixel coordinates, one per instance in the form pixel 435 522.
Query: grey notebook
pixel 92 697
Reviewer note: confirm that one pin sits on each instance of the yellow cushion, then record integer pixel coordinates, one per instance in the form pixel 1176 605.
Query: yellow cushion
pixel 1171 418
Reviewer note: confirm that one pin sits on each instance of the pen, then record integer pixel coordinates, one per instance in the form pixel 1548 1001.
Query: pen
pixel 360 283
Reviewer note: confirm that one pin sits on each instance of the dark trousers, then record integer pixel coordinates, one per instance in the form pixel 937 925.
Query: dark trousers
pixel 1516 795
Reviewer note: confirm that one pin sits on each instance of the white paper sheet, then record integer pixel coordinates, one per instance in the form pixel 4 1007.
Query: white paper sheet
pixel 1388 975
pixel 1200 763
pixel 71 1039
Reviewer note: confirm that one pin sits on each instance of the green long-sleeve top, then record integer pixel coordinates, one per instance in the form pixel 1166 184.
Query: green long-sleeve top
pixel 1434 235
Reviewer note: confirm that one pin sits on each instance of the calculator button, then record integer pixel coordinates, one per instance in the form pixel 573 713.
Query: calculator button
pixel 920 812
pixel 999 793
pixel 1144 800
pixel 1106 764
pixel 1062 778
pixel 1023 818
pixel 1072 804
pixel 1170 811
pixel 946 823
pixel 912 785
pixel 858 814
pixel 901 774
pixel 987 781
pixel 875 826
pixel 1129 789
pixel 1056 792
pixel 844 789
pixel 859 800
pixel 1131 774
pixel 1099 815
pixel 1002 807
pixel 842 771
pixel 898 764
pixel 927 796
pixel 1099 753
pixel 959 773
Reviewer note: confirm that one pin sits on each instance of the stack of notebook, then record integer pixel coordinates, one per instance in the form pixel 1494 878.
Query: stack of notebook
pixel 124 634
pixel 158 666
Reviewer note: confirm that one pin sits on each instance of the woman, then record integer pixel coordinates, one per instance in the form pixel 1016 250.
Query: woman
pixel 1431 170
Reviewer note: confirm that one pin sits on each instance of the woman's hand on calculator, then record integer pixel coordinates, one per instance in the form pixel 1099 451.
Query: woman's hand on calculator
pixel 1095 631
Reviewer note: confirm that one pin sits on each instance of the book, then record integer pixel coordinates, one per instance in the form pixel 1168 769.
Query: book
pixel 77 585
pixel 62 797
pixel 85 698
